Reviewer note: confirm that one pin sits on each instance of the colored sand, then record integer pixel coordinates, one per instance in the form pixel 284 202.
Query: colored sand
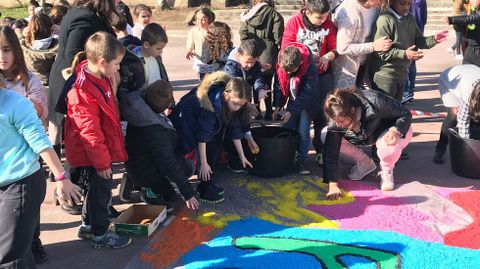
pixel 470 236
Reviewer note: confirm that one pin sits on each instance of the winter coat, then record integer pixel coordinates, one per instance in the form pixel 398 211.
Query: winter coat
pixel 152 146
pixel 264 24
pixel 198 115
pixel 76 27
pixel 472 23
pixel 378 113
pixel 40 62
pixel 132 70
pixel 305 79
pixel 253 76
pixel 319 39
pixel 93 136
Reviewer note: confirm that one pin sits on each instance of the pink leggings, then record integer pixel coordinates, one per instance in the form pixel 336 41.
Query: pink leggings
pixel 388 155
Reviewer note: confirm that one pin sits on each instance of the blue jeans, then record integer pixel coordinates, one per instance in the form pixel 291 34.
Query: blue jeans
pixel 301 123
pixel 411 76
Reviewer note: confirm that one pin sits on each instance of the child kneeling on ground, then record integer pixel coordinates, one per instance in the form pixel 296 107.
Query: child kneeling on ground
pixel 152 145
pixel 205 117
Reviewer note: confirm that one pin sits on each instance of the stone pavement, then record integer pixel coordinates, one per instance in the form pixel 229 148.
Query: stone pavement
pixel 59 229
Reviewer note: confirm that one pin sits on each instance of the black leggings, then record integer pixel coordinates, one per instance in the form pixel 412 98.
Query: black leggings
pixel 449 122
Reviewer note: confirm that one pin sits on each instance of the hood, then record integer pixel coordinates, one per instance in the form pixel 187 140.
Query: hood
pixel 258 15
pixel 42 44
pixel 218 78
pixel 48 52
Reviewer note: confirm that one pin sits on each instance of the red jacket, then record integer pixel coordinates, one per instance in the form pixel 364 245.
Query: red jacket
pixel 93 136
pixel 320 40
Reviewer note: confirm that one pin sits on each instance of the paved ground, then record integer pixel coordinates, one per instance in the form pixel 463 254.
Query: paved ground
pixel 59 229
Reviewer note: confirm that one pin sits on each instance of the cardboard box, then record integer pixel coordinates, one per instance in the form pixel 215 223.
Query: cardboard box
pixel 130 221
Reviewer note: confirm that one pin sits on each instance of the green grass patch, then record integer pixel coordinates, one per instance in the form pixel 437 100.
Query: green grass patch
pixel 16 12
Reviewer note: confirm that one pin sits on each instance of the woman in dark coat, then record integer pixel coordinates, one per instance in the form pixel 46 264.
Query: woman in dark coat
pixel 85 18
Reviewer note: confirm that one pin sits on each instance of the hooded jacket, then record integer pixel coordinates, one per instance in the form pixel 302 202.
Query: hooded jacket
pixel 40 62
pixel 306 94
pixel 93 136
pixel 152 145
pixel 253 76
pixel 264 24
pixel 319 39
pixel 198 115
pixel 378 113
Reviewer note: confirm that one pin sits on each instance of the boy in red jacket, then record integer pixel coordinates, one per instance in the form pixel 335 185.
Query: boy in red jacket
pixel 93 137
pixel 313 27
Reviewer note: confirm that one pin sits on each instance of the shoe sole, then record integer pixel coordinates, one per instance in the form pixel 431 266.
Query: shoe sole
pixel 211 202
pixel 366 174
pixel 102 246
pixel 305 173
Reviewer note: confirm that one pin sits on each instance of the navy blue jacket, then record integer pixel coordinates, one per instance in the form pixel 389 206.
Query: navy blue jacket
pixel 253 76
pixel 198 115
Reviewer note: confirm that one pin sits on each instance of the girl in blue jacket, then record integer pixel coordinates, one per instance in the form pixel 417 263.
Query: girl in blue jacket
pixel 205 117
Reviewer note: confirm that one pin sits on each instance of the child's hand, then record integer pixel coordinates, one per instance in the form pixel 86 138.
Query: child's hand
pixel 263 93
pixel 286 117
pixel 106 174
pixel 192 203
pixel 413 55
pixel 189 55
pixel 441 36
pixel 205 172
pixel 391 137
pixel 382 44
pixel 253 145
pixel 245 162
pixel 322 64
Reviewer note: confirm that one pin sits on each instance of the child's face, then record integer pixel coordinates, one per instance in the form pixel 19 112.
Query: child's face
pixel 316 18
pixel 246 61
pixel 7 58
pixel 31 10
pixel 108 69
pixel 343 122
pixel 144 17
pixel 202 20
pixel 293 69
pixel 154 50
pixel 401 6
pixel 234 104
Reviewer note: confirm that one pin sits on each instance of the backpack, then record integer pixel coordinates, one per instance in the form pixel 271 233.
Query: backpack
pixel 61 106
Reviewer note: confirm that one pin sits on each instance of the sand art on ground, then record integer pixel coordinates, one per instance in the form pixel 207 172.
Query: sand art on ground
pixel 468 237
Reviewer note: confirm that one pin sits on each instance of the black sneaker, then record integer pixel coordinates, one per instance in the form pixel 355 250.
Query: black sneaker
pixel 237 168
pixel 84 232
pixel 217 189
pixel 302 170
pixel 439 157
pixel 209 193
pixel 150 198
pixel 113 213
pixel 126 188
pixel 110 240
pixel 38 251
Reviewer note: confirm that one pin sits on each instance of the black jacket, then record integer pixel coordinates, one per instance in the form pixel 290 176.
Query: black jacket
pixel 379 112
pixel 152 147
pixel 471 24
pixel 76 27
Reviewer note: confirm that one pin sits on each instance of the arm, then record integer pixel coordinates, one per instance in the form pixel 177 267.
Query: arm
pixel 278 99
pixel 308 86
pixel 346 32
pixel 424 42
pixel 384 28
pixel 463 120
pixel 38 95
pixel 331 150
pixel 470 19
pixel 241 155
pixel 205 170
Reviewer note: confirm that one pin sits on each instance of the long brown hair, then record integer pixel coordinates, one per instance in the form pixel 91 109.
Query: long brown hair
pixel 39 27
pixel 19 69
pixel 341 102
pixel 103 8
pixel 218 39
pixel 474 104
pixel 237 88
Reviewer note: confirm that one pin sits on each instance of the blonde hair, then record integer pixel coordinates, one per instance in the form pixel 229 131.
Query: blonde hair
pixel 103 45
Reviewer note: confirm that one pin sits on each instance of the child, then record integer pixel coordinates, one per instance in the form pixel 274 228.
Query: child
pixel 142 16
pixel 143 65
pixel 152 146
pixel 298 80
pixel 363 118
pixel 57 13
pixel 196 36
pixel 32 5
pixel 119 25
pixel 40 47
pixel 243 62
pixel 16 77
pixel 313 27
pixel 93 138
pixel 204 118
pixel 264 24
pixel 217 45
pixel 388 70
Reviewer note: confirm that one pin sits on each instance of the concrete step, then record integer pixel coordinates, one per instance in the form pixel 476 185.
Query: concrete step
pixel 288 2
pixel 439 3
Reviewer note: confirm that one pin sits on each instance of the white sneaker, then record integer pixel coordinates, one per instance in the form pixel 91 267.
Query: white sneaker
pixel 358 172
pixel 386 183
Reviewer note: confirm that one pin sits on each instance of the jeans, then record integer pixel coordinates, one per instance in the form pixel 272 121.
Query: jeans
pixel 19 214
pixel 97 200
pixel 301 123
pixel 412 75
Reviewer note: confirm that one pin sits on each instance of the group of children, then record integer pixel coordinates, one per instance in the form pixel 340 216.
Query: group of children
pixel 124 78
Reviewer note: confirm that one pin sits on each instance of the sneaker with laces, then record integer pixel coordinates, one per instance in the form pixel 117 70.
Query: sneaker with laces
pixel 302 170
pixel 407 97
pixel 84 232
pixel 386 183
pixel 126 188
pixel 208 193
pixel 110 240
pixel 150 198
pixel 358 171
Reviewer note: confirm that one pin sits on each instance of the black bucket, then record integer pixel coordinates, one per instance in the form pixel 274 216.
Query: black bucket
pixel 278 147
